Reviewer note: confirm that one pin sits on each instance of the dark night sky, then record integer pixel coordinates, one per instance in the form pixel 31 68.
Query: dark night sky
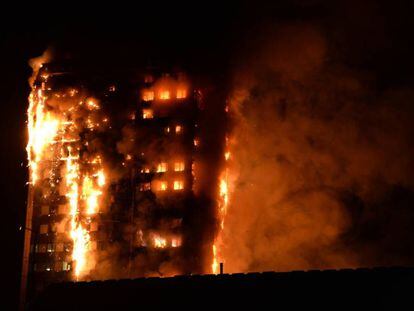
pixel 375 37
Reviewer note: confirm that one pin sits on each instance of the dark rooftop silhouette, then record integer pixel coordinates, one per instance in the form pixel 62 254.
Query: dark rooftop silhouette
pixel 335 288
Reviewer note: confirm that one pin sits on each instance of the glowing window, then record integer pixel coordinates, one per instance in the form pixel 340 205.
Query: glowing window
pixel 178 129
pixel 147 95
pixel 162 167
pixel 145 186
pixel 44 229
pixel 178 185
pixel 167 129
pixel 112 88
pixel 196 142
pixel 181 93
pixel 145 170
pixel 159 242
pixel 65 266
pixel 164 95
pixel 179 166
pixel 163 186
pixel 147 114
pixel 176 242
pixel 50 248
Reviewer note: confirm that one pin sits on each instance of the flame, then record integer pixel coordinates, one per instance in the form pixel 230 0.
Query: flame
pixel 101 178
pixel 159 242
pixel 147 95
pixel 181 93
pixel 164 94
pixel 223 202
pixel 90 195
pixel 81 240
pixel 54 137
pixel 42 130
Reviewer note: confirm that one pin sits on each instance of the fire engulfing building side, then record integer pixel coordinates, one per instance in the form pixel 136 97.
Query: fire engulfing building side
pixel 114 186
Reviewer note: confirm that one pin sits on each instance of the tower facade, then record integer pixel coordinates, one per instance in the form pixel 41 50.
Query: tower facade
pixel 113 175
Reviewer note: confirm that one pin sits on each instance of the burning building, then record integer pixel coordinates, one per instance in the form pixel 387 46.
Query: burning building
pixel 114 185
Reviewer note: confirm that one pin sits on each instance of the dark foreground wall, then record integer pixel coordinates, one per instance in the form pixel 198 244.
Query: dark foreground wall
pixel 389 287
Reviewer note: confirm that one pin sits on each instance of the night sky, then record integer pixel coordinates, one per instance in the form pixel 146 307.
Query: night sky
pixel 205 39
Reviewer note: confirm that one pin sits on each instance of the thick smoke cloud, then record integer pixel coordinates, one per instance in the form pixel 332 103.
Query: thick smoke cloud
pixel 321 168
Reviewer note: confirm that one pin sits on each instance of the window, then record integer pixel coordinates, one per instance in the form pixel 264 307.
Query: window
pixel 148 79
pixel 44 229
pixel 94 226
pixel 196 142
pixel 178 129
pixel 176 241
pixel 63 209
pixel 60 227
pixel 164 95
pixel 145 186
pixel 58 266
pixel 181 93
pixel 178 185
pixel 68 247
pixel 59 247
pixel 162 167
pixel 112 88
pixel 44 210
pixel 145 170
pixel 167 129
pixel 65 266
pixel 147 95
pixel 163 186
pixel 50 248
pixel 179 166
pixel 147 114
pixel 42 248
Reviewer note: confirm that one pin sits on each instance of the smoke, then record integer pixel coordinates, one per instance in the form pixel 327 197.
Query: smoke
pixel 37 62
pixel 321 166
